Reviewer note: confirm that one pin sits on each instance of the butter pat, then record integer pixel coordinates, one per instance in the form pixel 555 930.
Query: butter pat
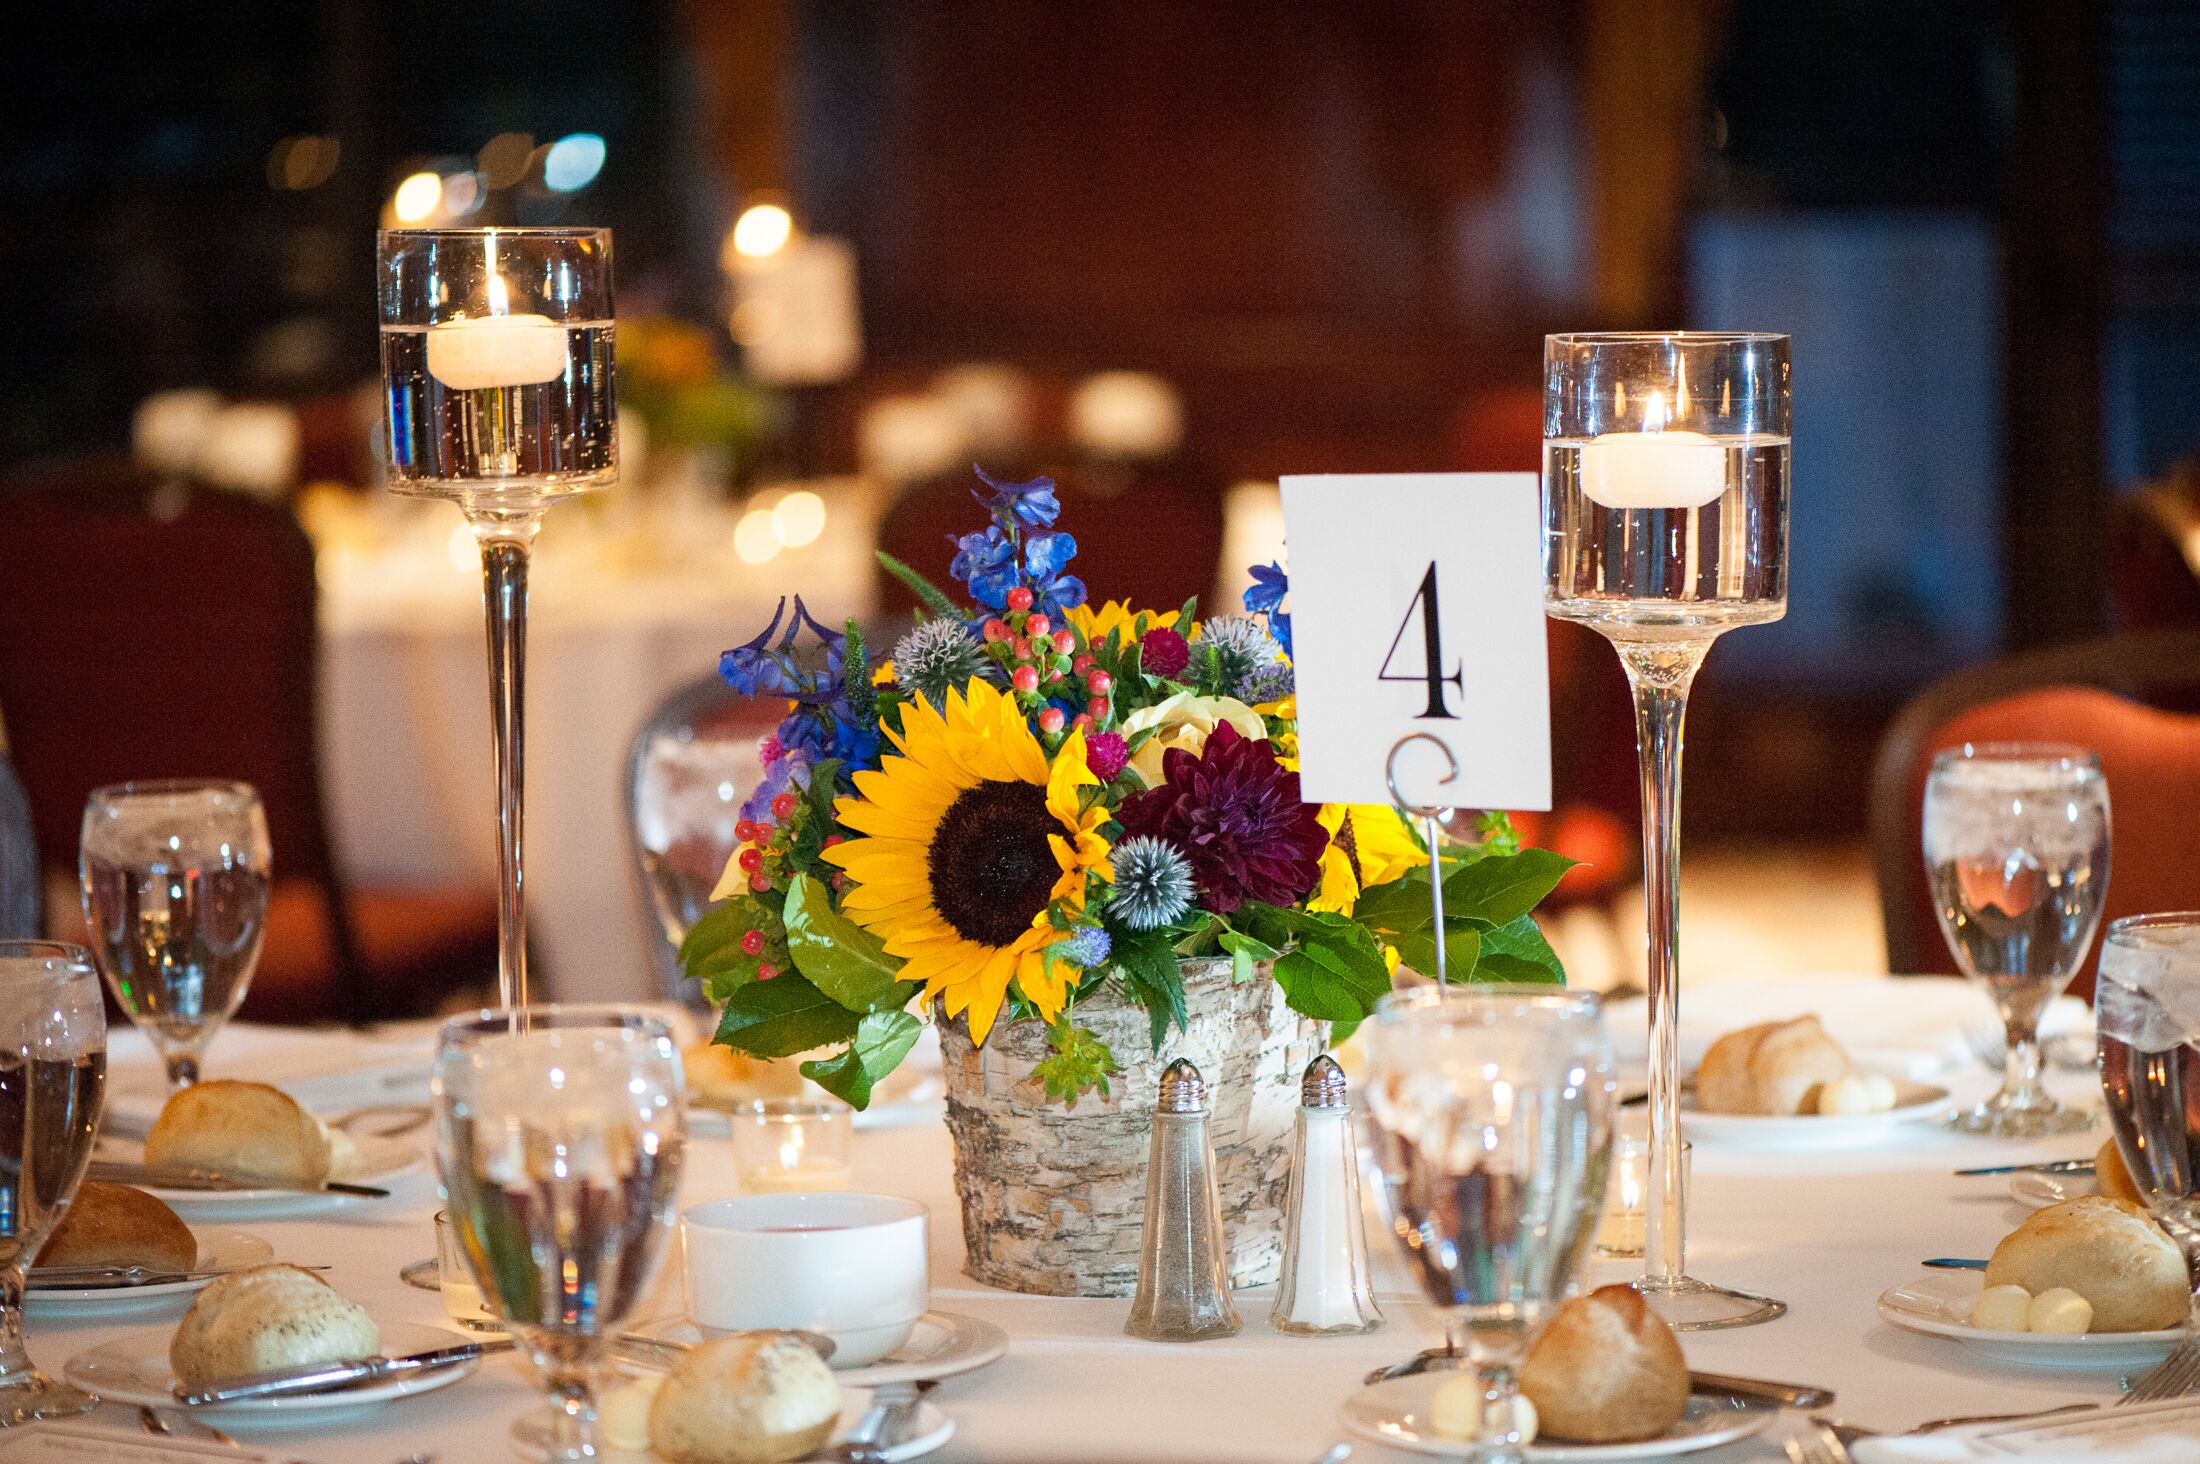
pixel 1456 1411
pixel 623 1415
pixel 2059 1309
pixel 2002 1309
pixel 1855 1094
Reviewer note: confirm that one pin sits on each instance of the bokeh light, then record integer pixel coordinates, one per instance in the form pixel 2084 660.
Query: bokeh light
pixel 572 163
pixel 755 540
pixel 799 518
pixel 763 229
pixel 503 159
pixel 417 198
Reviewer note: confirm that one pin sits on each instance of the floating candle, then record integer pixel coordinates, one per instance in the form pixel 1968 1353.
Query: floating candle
pixel 496 350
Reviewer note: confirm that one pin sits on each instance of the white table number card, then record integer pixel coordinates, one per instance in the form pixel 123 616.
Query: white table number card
pixel 1417 606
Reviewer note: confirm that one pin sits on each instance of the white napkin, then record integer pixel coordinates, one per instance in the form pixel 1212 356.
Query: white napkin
pixel 2145 1433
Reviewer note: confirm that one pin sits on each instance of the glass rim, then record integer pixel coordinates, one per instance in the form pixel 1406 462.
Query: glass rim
pixel 75 955
pixel 781 1110
pixel 630 1016
pixel 2131 925
pixel 169 788
pixel 1665 337
pixel 1465 996
pixel 2067 754
pixel 482 231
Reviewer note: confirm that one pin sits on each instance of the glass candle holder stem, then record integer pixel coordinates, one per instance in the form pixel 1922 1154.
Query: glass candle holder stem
pixel 507 541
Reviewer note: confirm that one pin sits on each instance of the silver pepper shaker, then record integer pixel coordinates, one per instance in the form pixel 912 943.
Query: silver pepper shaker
pixel 1325 1288
pixel 1183 1262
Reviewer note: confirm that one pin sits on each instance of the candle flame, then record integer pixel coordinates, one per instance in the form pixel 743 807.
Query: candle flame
pixel 1653 413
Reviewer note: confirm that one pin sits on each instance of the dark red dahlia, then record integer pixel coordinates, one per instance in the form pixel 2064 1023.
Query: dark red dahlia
pixel 1235 812
pixel 1105 754
pixel 1163 652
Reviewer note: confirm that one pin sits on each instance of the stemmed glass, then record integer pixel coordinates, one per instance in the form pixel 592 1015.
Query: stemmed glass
pixel 560 1134
pixel 1665 488
pixel 2146 1007
pixel 2016 851
pixel 499 395
pixel 53 1074
pixel 176 876
pixel 687 795
pixel 1488 1132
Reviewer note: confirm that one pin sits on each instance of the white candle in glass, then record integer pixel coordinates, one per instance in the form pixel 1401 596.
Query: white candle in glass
pixel 1653 468
pixel 497 349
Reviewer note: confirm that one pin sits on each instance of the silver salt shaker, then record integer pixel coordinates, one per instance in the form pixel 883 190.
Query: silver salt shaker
pixel 1183 1261
pixel 1325 1288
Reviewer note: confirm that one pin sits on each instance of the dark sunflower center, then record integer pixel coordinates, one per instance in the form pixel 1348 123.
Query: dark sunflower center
pixel 989 864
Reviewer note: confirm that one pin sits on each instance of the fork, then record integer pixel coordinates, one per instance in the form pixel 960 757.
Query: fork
pixel 2173 1377
pixel 1815 1442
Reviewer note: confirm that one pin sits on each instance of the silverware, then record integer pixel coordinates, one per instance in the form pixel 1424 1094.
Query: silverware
pixel 184 1177
pixel 399 1119
pixel 2051 1166
pixel 320 1378
pixel 1442 1359
pixel 1760 1390
pixel 892 1406
pixel 92 1278
pixel 1815 1442
pixel 2173 1377
pixel 1337 1454
pixel 1955 1263
pixel 156 1423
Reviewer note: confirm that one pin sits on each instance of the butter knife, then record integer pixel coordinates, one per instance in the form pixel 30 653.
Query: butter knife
pixel 90 1278
pixel 2050 1166
pixel 321 1377
pixel 1759 1390
pixel 182 1177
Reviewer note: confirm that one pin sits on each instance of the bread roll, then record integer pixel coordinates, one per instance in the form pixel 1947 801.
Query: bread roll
pixel 2112 1178
pixel 1606 1370
pixel 246 1129
pixel 267 1317
pixel 2107 1251
pixel 1773 1069
pixel 115 1225
pixel 744 1400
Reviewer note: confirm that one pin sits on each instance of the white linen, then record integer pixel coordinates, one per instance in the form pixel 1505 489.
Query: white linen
pixel 1824 1232
pixel 2158 1433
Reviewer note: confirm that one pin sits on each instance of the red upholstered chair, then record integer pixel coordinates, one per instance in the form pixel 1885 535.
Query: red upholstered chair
pixel 2095 695
pixel 156 631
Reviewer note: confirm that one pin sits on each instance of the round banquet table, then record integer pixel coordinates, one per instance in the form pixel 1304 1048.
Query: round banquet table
pixel 1825 1232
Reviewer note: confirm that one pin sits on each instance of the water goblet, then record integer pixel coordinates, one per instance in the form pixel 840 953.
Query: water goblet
pixel 53 1075
pixel 176 876
pixel 560 1136
pixel 1489 1124
pixel 2016 851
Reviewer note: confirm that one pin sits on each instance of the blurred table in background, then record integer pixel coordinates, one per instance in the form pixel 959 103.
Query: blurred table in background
pixel 632 597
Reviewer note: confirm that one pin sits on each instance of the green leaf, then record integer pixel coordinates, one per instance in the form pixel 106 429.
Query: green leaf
pixel 882 1040
pixel 841 958
pixel 1079 1064
pixel 1246 951
pixel 1332 982
pixel 855 675
pixel 1504 887
pixel 1462 949
pixel 1517 951
pixel 931 596
pixel 1151 975
pixel 712 952
pixel 783 1016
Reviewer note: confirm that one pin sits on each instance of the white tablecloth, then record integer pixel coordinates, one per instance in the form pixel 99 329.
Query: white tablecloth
pixel 1825 1232
pixel 612 630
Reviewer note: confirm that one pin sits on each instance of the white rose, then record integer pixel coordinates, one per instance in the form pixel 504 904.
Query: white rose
pixel 1185 720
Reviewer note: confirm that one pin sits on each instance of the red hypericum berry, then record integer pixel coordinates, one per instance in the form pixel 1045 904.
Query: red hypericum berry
pixel 840 877
pixel 1083 663
pixel 760 881
pixel 1051 720
pixel 1019 599
pixel 1098 708
pixel 765 970
pixel 996 629
pixel 751 860
pixel 1037 625
pixel 1083 721
pixel 1065 640
pixel 783 806
pixel 1021 648
pixel 832 839
pixel 752 942
pixel 1099 683
pixel 747 832
pixel 1025 679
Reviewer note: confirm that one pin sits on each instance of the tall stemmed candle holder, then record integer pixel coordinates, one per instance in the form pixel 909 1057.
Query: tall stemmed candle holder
pixel 499 394
pixel 1665 485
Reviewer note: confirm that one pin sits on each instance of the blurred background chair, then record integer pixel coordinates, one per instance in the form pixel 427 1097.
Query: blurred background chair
pixel 153 630
pixel 692 765
pixel 2111 696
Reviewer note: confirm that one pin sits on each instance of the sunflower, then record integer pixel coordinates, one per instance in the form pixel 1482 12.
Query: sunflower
pixel 970 839
pixel 1368 845
pixel 1094 625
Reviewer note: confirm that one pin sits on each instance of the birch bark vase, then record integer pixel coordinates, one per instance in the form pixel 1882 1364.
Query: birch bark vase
pixel 1053 1198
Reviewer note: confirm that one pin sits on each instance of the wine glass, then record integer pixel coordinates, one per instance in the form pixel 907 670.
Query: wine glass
pixel 687 794
pixel 176 876
pixel 1488 1128
pixel 2016 851
pixel 499 395
pixel 53 1074
pixel 1665 490
pixel 2146 1007
pixel 560 1133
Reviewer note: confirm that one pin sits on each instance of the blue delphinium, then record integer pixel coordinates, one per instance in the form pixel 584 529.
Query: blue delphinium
pixel 1031 503
pixel 759 668
pixel 1264 597
pixel 1017 549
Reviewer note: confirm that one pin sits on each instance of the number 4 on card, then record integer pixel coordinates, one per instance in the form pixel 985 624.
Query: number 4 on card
pixel 1432 647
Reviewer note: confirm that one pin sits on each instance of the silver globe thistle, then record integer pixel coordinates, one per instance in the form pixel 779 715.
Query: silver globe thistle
pixel 1153 882
pixel 1243 647
pixel 935 656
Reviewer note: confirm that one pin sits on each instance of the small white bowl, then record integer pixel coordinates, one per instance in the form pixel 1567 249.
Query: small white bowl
pixel 850 1266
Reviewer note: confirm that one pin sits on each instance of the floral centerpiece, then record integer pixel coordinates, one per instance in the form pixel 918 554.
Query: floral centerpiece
pixel 1037 810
